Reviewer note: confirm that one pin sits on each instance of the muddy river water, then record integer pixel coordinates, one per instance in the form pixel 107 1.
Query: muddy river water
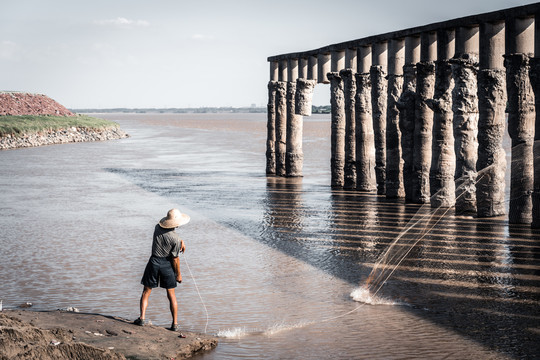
pixel 275 260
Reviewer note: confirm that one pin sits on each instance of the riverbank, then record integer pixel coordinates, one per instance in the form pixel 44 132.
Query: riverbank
pixel 31 130
pixel 71 335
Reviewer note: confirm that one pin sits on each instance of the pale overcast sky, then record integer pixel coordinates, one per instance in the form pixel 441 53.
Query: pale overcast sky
pixel 176 53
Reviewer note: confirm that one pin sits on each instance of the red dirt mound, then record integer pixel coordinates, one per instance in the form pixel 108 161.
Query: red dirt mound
pixel 19 103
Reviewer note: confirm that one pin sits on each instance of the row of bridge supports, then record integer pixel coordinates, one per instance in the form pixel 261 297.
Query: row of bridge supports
pixel 423 116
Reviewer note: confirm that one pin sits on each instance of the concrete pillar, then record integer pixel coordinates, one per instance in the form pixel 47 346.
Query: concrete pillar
pixel 535 82
pixel 407 110
pixel 491 165
pixel 282 70
pixel 379 94
pixel 271 129
pixel 350 59
pixel 337 102
pixel 312 70
pixel 274 70
pixel 443 158
pixel 365 145
pixel 337 61
pixel 323 68
pixel 302 68
pixel 281 127
pixel 423 127
pixel 349 94
pixel 304 96
pixel 394 161
pixel 465 108
pixel 292 69
pixel 294 158
pixel 521 117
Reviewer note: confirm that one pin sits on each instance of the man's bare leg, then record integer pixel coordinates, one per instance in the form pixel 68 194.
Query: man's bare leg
pixel 173 305
pixel 144 301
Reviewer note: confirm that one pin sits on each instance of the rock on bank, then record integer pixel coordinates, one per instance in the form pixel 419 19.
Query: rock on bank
pixel 63 335
pixel 50 137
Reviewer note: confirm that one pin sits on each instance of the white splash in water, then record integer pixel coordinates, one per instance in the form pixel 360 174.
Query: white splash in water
pixel 234 333
pixel 363 295
pixel 277 328
pixel 242 332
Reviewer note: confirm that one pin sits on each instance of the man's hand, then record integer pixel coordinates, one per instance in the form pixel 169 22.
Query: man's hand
pixel 179 278
pixel 182 246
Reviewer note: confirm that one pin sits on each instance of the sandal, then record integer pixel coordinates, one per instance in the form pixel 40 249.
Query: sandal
pixel 176 327
pixel 140 322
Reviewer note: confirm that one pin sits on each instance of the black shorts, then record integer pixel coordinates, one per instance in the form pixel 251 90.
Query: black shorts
pixel 159 271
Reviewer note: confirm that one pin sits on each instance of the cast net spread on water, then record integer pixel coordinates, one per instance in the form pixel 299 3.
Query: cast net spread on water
pixel 421 226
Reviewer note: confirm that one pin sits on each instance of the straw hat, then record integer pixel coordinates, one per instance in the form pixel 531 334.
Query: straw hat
pixel 174 219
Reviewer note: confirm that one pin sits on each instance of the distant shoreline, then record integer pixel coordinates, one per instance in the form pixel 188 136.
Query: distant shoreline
pixel 202 110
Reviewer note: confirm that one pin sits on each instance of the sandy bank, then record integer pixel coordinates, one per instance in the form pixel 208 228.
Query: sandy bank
pixel 70 335
pixel 63 136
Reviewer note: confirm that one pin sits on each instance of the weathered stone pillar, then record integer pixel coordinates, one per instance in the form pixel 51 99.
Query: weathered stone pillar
pixel 302 68
pixel 337 102
pixel 491 165
pixel 465 108
pixel 323 68
pixel 535 82
pixel 281 127
pixel 349 94
pixel 294 156
pixel 521 117
pixel 312 70
pixel 365 145
pixel 379 94
pixel 407 109
pixel 394 161
pixel 351 59
pixel 304 96
pixel 271 129
pixel 423 127
pixel 443 158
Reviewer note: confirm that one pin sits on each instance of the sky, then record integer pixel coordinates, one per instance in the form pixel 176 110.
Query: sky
pixel 178 53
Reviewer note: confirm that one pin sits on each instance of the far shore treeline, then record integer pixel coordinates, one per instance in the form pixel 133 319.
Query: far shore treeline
pixel 201 110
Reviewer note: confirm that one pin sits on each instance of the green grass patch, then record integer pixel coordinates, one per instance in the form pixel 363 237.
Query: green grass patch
pixel 28 124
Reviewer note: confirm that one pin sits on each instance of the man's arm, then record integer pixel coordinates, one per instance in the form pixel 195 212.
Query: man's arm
pixel 176 267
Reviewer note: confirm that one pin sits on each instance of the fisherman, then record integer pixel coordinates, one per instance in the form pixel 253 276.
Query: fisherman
pixel 163 268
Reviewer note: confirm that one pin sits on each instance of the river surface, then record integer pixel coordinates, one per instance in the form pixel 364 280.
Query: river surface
pixel 275 260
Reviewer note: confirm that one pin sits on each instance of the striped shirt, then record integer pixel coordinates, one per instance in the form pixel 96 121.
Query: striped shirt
pixel 165 243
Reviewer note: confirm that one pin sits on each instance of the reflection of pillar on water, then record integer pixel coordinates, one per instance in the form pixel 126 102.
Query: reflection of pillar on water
pixel 407 116
pixel 365 145
pixel 465 108
pixel 394 161
pixel 284 204
pixel 443 158
pixel 521 116
pixel 379 95
pixel 535 81
pixel 423 128
pixel 491 121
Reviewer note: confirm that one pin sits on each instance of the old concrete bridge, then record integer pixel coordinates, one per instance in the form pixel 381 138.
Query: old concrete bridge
pixel 421 113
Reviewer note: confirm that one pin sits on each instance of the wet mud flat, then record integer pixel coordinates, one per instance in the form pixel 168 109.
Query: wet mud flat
pixel 71 335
